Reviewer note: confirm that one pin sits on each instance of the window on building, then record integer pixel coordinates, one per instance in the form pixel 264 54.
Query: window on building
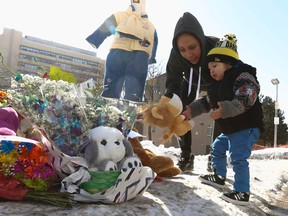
pixel 209 130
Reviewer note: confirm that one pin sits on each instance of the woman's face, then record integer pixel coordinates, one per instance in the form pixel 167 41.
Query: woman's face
pixel 189 47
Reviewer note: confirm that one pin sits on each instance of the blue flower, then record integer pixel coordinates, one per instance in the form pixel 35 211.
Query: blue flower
pixel 6 146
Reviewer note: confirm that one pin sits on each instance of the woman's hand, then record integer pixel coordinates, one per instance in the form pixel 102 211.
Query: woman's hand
pixel 187 113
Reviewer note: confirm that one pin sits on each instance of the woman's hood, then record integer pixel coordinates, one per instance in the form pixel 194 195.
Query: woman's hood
pixel 189 24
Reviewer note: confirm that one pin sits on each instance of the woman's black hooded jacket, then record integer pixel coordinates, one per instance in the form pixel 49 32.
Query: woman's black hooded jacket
pixel 178 68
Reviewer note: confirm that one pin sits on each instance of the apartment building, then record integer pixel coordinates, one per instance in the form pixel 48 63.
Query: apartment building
pixel 31 55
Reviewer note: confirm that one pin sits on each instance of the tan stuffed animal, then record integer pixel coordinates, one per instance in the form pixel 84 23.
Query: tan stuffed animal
pixel 167 114
pixel 162 165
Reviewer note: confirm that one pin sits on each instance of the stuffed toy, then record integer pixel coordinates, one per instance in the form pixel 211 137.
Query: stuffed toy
pixel 133 49
pixel 167 114
pixel 109 150
pixel 162 165
pixel 9 121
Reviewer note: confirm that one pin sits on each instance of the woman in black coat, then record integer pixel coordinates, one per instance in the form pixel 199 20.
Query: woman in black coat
pixel 188 73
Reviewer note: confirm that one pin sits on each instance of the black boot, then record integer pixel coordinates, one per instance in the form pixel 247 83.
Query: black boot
pixel 186 163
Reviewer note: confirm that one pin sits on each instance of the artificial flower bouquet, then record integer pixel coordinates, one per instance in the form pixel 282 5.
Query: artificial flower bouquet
pixel 25 160
pixel 55 107
pixel 51 105
pixel 26 173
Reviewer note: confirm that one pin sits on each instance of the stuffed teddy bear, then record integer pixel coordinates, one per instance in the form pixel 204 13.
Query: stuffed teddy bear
pixel 167 114
pixel 162 165
pixel 109 150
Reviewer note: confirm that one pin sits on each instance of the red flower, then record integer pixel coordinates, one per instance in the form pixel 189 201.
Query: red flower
pixel 12 189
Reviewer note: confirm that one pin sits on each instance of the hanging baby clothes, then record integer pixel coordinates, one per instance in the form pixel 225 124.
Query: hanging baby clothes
pixel 133 49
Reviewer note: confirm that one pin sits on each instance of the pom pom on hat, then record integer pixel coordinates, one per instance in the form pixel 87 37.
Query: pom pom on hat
pixel 225 50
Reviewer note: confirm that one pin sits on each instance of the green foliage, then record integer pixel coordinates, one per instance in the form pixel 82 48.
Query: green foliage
pixel 269 113
pixel 94 98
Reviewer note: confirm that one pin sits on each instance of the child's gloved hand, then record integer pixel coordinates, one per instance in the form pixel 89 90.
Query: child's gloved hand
pixel 216 114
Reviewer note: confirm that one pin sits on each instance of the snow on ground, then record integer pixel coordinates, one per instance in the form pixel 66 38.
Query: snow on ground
pixel 185 195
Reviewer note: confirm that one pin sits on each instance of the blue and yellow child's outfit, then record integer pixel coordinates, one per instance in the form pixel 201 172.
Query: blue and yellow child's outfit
pixel 133 49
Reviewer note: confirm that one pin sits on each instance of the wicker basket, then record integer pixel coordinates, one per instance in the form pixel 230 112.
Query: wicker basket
pixel 100 181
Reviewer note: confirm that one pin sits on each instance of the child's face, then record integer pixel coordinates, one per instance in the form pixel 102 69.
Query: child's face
pixel 217 69
pixel 189 47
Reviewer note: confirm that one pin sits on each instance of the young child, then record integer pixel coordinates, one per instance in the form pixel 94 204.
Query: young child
pixel 237 111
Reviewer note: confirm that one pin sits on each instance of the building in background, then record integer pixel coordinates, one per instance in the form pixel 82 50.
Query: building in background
pixel 29 54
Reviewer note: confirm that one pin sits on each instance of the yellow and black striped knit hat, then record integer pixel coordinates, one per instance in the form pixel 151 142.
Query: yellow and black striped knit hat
pixel 225 50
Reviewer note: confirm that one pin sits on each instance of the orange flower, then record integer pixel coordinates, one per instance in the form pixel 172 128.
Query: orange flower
pixel 29 171
pixel 38 155
pixel 3 97
pixel 24 153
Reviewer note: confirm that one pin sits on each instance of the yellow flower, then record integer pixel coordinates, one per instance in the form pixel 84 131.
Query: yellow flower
pixel 9 159
pixel 3 97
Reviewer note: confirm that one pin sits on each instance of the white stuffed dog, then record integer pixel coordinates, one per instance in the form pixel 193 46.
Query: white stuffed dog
pixel 109 150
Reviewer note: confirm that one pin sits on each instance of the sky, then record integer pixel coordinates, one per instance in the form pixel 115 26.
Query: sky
pixel 185 195
pixel 260 25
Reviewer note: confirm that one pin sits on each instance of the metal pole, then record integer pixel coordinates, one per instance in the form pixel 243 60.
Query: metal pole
pixel 275 128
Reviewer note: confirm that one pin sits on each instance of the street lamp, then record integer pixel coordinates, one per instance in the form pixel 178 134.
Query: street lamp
pixel 275 81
